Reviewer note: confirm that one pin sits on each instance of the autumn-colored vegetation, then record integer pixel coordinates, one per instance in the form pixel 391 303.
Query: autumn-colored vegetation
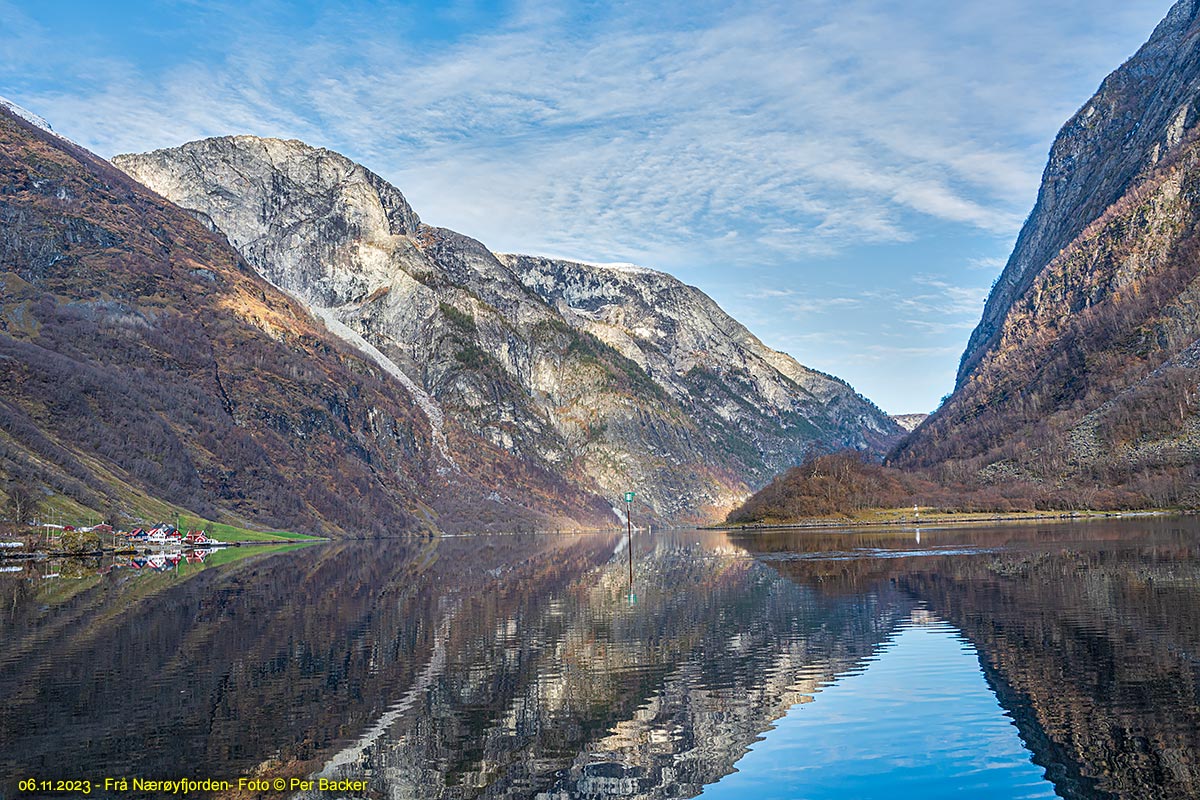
pixel 140 356
pixel 846 483
pixel 1090 386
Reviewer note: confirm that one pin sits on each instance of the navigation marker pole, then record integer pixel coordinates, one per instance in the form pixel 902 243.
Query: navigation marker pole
pixel 629 534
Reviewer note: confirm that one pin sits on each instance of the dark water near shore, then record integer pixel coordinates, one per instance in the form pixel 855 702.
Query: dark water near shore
pixel 1008 662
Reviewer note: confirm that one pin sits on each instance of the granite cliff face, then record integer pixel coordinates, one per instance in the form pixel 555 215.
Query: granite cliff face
pixel 145 368
pixel 1083 371
pixel 614 378
pixel 1137 118
pixel 728 381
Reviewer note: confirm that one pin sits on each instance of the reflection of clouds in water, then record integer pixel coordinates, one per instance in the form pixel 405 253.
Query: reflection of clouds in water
pixel 922 616
pixel 919 721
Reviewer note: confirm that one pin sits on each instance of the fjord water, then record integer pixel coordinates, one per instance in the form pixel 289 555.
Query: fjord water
pixel 1005 662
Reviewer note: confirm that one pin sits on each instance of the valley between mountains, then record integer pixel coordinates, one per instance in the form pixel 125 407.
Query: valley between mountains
pixel 265 332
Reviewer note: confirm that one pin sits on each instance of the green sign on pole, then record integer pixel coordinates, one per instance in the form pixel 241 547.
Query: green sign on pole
pixel 629 496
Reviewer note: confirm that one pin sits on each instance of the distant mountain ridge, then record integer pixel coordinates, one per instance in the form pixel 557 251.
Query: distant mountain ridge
pixel 687 344
pixel 909 422
pixel 614 378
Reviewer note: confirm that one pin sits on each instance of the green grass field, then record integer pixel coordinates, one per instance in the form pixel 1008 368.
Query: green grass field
pixel 231 533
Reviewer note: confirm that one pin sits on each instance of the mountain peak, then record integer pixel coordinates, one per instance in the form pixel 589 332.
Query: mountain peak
pixel 26 115
pixel 302 180
pixel 612 375
pixel 1138 117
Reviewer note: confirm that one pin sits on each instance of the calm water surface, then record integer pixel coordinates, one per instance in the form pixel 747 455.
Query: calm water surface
pixel 1008 662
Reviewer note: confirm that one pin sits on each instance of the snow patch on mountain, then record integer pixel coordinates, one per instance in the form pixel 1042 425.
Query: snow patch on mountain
pixel 26 115
pixel 30 117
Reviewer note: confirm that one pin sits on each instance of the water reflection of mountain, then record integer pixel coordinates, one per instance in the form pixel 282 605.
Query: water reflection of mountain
pixel 495 666
pixel 267 664
pixel 1093 647
pixel 516 666
pixel 583 695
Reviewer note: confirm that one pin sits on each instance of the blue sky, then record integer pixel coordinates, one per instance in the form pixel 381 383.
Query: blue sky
pixel 846 178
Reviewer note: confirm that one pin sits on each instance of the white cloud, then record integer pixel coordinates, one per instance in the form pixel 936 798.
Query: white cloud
pixel 937 328
pixel 991 264
pixel 808 130
pixel 882 351
pixel 758 138
pixel 769 294
pixel 823 305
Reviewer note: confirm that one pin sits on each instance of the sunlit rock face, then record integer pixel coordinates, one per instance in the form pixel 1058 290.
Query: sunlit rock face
pixel 614 378
pixel 705 359
pixel 144 366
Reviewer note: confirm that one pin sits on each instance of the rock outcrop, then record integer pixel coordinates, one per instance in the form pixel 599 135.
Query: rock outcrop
pixel 615 378
pixel 909 422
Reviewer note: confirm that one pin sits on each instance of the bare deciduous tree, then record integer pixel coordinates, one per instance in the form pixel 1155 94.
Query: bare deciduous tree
pixel 23 503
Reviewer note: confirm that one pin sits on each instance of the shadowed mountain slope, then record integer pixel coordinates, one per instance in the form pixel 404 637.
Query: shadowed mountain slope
pixel 1083 371
pixel 142 362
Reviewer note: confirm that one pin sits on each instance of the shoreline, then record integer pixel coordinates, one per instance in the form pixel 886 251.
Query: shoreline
pixel 16 554
pixel 963 518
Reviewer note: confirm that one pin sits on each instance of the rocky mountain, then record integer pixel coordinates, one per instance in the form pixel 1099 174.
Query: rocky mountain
pixel 726 379
pixel 614 377
pixel 1138 117
pixel 144 367
pixel 1084 368
pixel 909 422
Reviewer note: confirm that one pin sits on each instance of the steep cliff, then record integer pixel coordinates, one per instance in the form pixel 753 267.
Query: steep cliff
pixel 1138 117
pixel 1083 371
pixel 706 360
pixel 613 379
pixel 143 364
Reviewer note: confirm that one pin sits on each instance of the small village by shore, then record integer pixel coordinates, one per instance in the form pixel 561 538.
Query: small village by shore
pixel 50 540
pixel 43 549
